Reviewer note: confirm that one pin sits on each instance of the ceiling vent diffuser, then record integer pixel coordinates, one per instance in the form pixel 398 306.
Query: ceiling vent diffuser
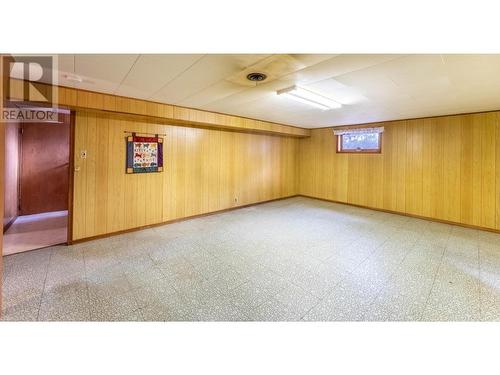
pixel 256 77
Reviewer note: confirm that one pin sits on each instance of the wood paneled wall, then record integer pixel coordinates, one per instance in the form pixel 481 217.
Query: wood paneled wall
pixel 445 168
pixel 205 170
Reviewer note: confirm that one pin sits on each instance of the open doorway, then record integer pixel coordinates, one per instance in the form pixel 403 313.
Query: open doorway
pixel 37 184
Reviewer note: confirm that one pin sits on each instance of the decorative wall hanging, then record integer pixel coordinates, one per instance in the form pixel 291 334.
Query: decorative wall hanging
pixel 144 154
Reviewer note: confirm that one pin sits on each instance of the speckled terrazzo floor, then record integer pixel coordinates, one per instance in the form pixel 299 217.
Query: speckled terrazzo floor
pixel 289 260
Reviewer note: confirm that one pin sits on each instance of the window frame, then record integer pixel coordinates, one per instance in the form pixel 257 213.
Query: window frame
pixel 340 150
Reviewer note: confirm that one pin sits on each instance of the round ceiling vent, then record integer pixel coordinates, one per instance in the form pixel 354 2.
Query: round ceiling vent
pixel 256 77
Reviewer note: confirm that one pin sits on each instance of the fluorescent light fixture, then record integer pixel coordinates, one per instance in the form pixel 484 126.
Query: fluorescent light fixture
pixel 308 97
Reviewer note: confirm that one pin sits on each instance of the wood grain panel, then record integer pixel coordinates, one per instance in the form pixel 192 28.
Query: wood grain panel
pixel 206 170
pixel 414 160
pixel 488 161
pixel 437 170
pixel 477 169
pixel 452 168
pixel 444 168
pixel 427 182
pixel 394 167
pixel 467 171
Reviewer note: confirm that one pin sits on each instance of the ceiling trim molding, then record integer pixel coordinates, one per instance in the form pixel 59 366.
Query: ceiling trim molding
pixel 370 124
pixel 177 115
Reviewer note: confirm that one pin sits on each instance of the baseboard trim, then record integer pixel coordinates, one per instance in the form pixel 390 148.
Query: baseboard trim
pixel 86 239
pixel 406 214
pixel 100 236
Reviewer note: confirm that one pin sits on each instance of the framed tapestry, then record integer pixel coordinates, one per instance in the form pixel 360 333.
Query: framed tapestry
pixel 144 154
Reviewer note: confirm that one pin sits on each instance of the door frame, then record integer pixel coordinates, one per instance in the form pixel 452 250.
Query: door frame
pixel 71 174
pixel 71 177
pixel 70 181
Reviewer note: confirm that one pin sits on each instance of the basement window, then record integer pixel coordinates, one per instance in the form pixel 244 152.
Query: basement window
pixel 359 140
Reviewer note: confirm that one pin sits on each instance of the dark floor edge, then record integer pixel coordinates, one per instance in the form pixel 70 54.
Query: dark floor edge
pixel 469 226
pixel 86 239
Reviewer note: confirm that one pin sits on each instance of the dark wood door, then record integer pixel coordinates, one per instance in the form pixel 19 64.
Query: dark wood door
pixel 44 173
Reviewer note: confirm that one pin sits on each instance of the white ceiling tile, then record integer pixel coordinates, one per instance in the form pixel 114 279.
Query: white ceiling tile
pixel 312 59
pixel 415 69
pixel 151 72
pixel 91 84
pixel 66 63
pixel 61 65
pixel 216 92
pixel 469 68
pixel 249 95
pixel 205 72
pixel 346 95
pixel 273 66
pixel 104 68
pixel 370 87
pixel 337 65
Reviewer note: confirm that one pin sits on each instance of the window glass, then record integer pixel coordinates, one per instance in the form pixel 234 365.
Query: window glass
pixel 360 142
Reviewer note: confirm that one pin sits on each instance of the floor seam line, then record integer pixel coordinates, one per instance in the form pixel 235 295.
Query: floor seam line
pixel 87 286
pixel 44 282
pixel 380 291
pixel 433 284
pixel 480 284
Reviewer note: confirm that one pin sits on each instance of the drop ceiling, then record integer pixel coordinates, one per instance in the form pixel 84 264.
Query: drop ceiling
pixel 369 87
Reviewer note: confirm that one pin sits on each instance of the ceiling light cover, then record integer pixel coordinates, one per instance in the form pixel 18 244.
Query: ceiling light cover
pixel 308 97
